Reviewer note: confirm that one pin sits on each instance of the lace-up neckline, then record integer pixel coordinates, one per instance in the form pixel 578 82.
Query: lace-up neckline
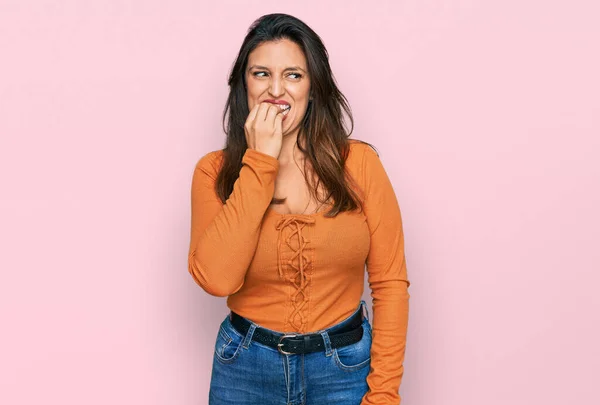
pixel 298 262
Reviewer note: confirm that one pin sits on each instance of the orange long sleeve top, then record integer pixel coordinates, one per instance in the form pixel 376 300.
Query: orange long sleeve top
pixel 305 272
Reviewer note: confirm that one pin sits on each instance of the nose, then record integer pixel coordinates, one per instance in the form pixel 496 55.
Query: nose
pixel 275 87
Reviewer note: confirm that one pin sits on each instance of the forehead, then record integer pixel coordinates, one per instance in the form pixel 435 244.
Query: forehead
pixel 277 54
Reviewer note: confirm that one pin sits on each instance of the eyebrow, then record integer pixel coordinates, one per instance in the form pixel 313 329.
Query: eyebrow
pixel 266 68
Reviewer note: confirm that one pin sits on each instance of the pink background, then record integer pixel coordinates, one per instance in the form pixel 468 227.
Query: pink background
pixel 487 117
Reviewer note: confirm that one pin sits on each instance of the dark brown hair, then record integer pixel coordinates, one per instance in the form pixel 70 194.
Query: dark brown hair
pixel 322 128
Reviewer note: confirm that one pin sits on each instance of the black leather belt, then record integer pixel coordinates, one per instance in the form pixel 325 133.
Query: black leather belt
pixel 302 343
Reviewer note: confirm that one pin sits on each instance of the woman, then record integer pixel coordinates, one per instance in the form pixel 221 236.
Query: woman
pixel 284 219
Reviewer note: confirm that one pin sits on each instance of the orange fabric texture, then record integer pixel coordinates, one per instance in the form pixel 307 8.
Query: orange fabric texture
pixel 305 272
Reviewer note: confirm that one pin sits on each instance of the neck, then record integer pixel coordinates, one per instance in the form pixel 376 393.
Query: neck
pixel 289 150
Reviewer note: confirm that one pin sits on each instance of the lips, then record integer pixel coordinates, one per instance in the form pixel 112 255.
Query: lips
pixel 280 102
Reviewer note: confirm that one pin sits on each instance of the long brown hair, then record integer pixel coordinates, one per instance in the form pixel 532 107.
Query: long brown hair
pixel 323 129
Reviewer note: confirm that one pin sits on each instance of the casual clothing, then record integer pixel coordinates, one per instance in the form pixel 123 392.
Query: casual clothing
pixel 246 372
pixel 302 273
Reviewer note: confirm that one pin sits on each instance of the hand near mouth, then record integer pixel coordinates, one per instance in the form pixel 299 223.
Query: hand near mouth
pixel 263 129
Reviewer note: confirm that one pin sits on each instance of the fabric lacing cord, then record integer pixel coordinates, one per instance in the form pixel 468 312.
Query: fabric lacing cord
pixel 299 278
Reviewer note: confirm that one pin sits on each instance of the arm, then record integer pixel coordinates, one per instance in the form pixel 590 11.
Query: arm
pixel 224 236
pixel 386 266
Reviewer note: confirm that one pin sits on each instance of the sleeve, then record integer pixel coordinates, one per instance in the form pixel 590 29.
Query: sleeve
pixel 387 277
pixel 224 236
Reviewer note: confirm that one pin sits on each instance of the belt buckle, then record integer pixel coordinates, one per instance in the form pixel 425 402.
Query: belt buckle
pixel 281 344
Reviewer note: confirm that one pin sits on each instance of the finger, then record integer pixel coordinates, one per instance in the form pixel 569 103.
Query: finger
pixel 252 115
pixel 278 123
pixel 262 111
pixel 273 112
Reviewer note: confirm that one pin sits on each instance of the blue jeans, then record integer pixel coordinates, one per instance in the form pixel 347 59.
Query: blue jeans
pixel 248 372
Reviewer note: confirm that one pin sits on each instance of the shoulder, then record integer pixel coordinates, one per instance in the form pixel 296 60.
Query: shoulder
pixel 210 163
pixel 361 156
pixel 368 168
pixel 358 162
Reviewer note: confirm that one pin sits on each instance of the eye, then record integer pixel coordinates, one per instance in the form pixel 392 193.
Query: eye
pixel 264 74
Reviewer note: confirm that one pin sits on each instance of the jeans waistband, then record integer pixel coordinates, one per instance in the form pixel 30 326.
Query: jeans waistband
pixel 343 333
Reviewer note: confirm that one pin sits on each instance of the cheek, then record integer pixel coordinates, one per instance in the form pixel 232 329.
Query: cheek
pixel 253 92
pixel 252 100
pixel 301 109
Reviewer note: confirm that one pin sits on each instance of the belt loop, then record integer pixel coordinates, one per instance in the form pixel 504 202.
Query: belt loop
pixel 249 334
pixel 363 304
pixel 328 349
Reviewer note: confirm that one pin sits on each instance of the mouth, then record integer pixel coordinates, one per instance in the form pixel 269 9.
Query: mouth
pixel 285 108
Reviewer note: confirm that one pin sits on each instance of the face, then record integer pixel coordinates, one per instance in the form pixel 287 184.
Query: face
pixel 278 71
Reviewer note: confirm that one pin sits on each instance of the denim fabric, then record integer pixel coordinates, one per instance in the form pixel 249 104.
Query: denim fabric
pixel 248 372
